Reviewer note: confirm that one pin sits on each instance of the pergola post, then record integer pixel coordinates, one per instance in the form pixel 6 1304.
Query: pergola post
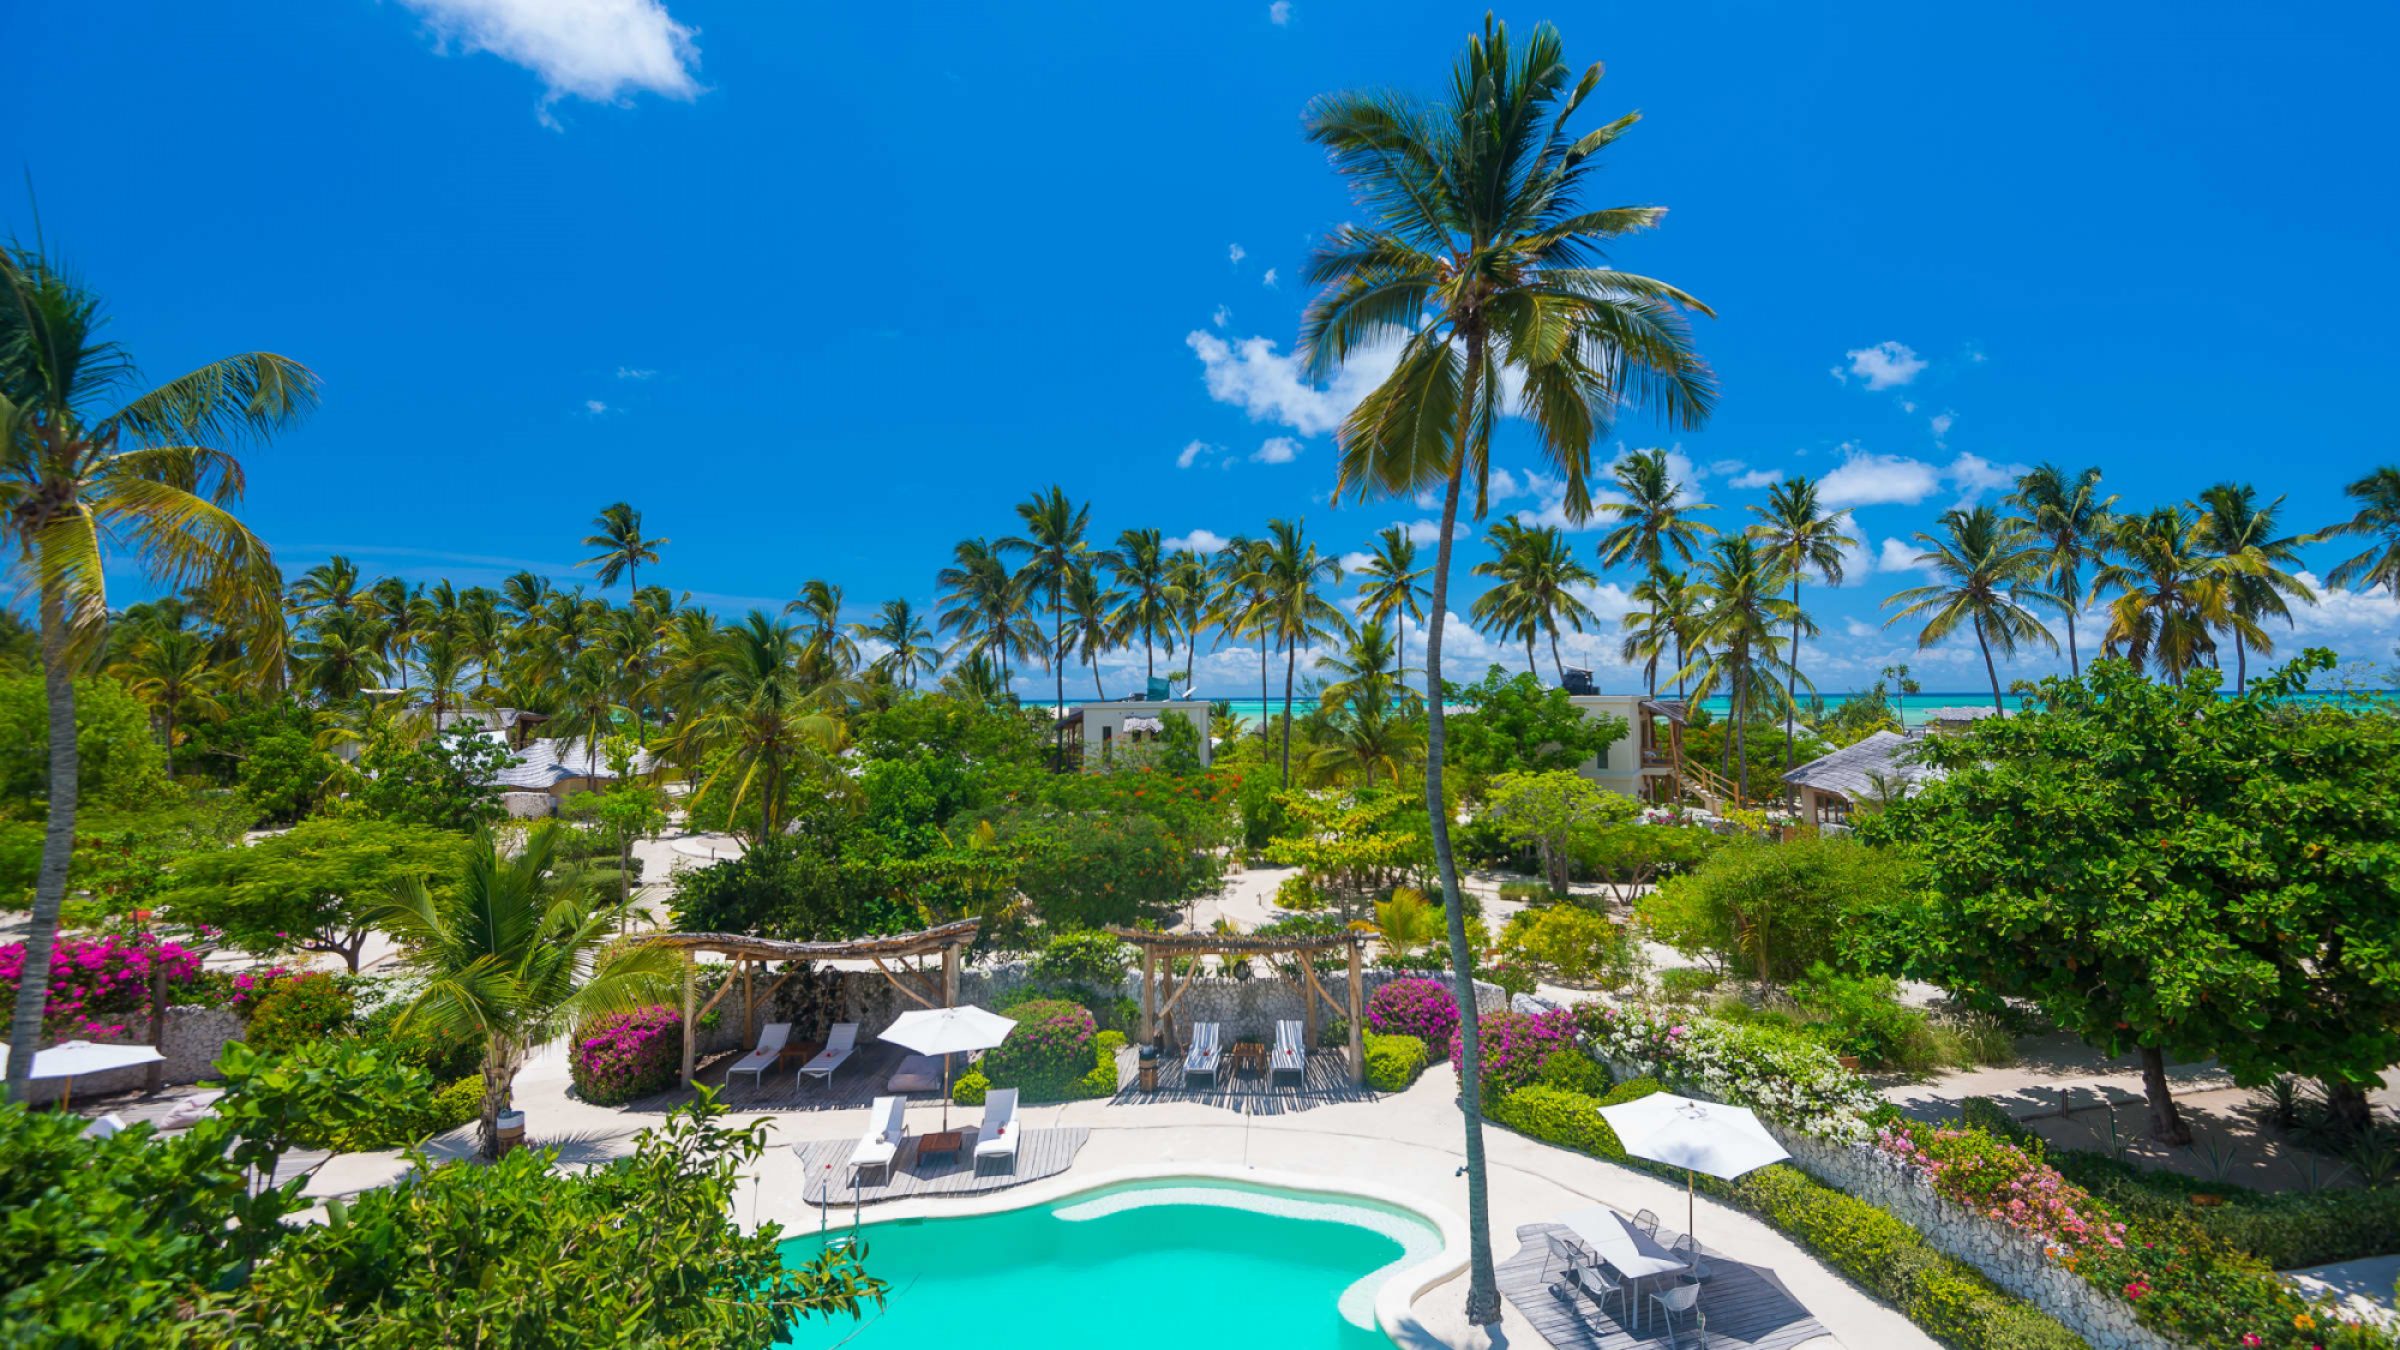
pixel 691 1018
pixel 749 1000
pixel 1149 996
pixel 949 976
pixel 1358 1044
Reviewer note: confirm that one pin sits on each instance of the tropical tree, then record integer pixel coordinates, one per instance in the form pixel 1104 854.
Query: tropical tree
pixel 1390 589
pixel 2253 558
pixel 819 607
pixel 1662 628
pixel 2171 594
pixel 1091 627
pixel 1741 651
pixel 1536 572
pixel 1145 605
pixel 91 461
pixel 984 605
pixel 1370 742
pixel 395 607
pixel 1053 538
pixel 1478 256
pixel 332 585
pixel 617 533
pixel 908 643
pixel 2067 513
pixel 1654 523
pixel 1989 567
pixel 2378 518
pixel 1365 671
pixel 1293 579
pixel 513 956
pixel 754 716
pixel 1192 586
pixel 1801 536
pixel 1240 608
pixel 173 673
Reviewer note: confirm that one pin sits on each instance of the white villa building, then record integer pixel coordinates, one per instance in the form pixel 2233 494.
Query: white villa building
pixel 1109 727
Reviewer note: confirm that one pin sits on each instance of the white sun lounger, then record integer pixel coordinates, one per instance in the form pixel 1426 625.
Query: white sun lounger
pixel 1291 1051
pixel 997 1137
pixel 839 1046
pixel 886 1129
pixel 1206 1054
pixel 771 1039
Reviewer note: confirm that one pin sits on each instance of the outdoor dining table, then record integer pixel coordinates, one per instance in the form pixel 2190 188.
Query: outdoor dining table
pixel 1635 1255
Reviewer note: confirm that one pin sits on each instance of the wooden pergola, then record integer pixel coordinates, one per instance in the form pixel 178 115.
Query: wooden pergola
pixel 749 954
pixel 1157 975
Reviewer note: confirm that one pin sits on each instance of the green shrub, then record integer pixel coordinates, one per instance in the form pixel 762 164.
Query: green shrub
pixel 1557 1116
pixel 457 1104
pixel 1575 1073
pixel 1086 960
pixel 1102 1080
pixel 970 1088
pixel 1393 1061
pixel 1684 983
pixel 1571 944
pixel 446 1058
pixel 1049 1056
pixel 1528 892
pixel 297 1011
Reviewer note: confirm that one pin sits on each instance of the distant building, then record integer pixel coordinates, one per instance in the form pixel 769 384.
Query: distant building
pixel 1108 728
pixel 548 771
pixel 1645 764
pixel 1867 772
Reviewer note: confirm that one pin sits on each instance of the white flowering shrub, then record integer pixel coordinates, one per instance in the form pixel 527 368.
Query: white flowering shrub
pixel 1787 1079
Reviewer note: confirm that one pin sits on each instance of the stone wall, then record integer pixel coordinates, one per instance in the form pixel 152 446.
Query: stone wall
pixel 191 1040
pixel 2006 1257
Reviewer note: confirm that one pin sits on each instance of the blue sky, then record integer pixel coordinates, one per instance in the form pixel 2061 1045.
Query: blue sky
pixel 823 289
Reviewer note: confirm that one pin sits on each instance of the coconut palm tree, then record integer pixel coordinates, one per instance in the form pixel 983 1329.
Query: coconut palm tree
pixel 1091 622
pixel 1389 591
pixel 985 606
pixel 1654 521
pixel 1477 255
pixel 330 585
pixel 754 711
pixel 444 659
pixel 1366 670
pixel 2072 519
pixel 1145 606
pixel 908 643
pixel 1742 618
pixel 1504 611
pixel 1054 536
pixel 1989 568
pixel 483 636
pixel 2253 558
pixel 1192 586
pixel 396 607
pixel 1536 571
pixel 93 463
pixel 528 593
pixel 976 680
pixel 1367 742
pixel 2172 594
pixel 617 533
pixel 514 956
pixel 1660 629
pixel 2378 519
pixel 1801 536
pixel 1293 577
pixel 1240 609
pixel 820 611
pixel 173 673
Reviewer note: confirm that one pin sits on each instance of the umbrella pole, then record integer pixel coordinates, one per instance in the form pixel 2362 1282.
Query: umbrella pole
pixel 945 1094
pixel 1690 1212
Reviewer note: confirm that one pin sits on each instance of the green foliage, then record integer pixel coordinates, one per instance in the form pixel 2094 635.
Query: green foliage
pixel 1101 1080
pixel 1050 1055
pixel 298 1012
pixel 1513 724
pixel 1558 1116
pixel 285 776
pixel 1355 847
pixel 1393 1061
pixel 1260 804
pixel 1089 961
pixel 1776 909
pixel 792 889
pixel 1571 945
pixel 1629 859
pixel 1552 810
pixel 443 782
pixel 1684 983
pixel 122 764
pixel 315 888
pixel 1084 870
pixel 2157 866
pixel 970 1088
pixel 1579 1073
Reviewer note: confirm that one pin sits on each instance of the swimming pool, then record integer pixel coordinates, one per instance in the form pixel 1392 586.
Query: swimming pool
pixel 1168 1264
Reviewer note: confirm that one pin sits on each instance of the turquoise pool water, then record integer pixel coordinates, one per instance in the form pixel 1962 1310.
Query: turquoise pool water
pixel 1162 1265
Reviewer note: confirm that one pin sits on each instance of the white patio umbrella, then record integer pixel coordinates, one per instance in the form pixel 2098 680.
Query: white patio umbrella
pixel 947 1032
pixel 73 1059
pixel 1723 1141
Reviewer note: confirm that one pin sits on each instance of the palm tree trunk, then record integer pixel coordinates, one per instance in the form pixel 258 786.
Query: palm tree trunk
pixel 1989 668
pixel 1741 733
pixel 1058 668
pixel 1291 659
pixel 1401 657
pixel 1098 692
pixel 58 846
pixel 1791 677
pixel 2074 662
pixel 1149 668
pixel 2241 664
pixel 1265 732
pixel 1483 1286
pixel 501 1060
pixel 1555 663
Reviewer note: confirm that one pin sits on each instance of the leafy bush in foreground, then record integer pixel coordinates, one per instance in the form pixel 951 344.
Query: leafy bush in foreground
pixel 1049 1055
pixel 1393 1061
pixel 623 1056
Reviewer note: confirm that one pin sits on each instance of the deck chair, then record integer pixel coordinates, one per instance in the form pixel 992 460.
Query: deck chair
pixel 1291 1052
pixel 1646 1222
pixel 1688 1252
pixel 839 1046
pixel 887 1128
pixel 771 1040
pixel 997 1136
pixel 1207 1056
pixel 1681 1301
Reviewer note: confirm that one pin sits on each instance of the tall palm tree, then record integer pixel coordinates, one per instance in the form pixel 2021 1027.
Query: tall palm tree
pixel 1801 536
pixel 1390 589
pixel 1537 572
pixel 1662 627
pixel 1240 609
pixel 483 637
pixel 1366 671
pixel 1654 521
pixel 90 460
pixel 2242 535
pixel 1192 584
pixel 1368 741
pixel 820 611
pixel 1742 651
pixel 908 644
pixel 1091 622
pixel 444 658
pixel 2378 518
pixel 617 533
pixel 330 585
pixel 751 705
pixel 173 673
pixel 1989 567
pixel 2171 595
pixel 528 593
pixel 515 956
pixel 1145 606
pixel 396 608
pixel 1054 535
pixel 1478 255
pixel 984 605
pixel 1505 610
pixel 1293 577
pixel 2072 519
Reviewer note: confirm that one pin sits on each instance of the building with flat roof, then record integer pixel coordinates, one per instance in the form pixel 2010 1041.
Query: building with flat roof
pixel 1110 728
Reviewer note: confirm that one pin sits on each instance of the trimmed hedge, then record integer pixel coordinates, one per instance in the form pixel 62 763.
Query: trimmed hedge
pixel 1949 1299
pixel 1393 1062
pixel 970 1088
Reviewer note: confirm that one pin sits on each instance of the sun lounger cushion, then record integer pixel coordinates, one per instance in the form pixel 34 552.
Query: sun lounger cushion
pixel 917 1073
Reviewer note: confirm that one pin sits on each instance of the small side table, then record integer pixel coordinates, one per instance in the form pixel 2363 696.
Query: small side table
pixel 948 1143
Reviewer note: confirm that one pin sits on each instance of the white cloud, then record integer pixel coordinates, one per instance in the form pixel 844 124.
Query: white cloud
pixel 1351 562
pixel 1222 317
pixel 1205 541
pixel 1973 475
pixel 1421 531
pixel 1885 365
pixel 1235 253
pixel 1718 468
pixel 601 50
pixel 1876 480
pixel 594 406
pixel 634 373
pixel 1269 279
pixel 1251 375
pixel 1280 13
pixel 1277 450
pixel 1190 453
pixel 1941 423
pixel 1757 478
pixel 1897 556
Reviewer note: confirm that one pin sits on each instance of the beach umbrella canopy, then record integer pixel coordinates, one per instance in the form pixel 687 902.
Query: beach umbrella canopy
pixel 947 1032
pixel 1723 1141
pixel 73 1059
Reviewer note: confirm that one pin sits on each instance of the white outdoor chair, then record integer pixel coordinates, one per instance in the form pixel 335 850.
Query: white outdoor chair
pixel 1681 1301
pixel 839 1046
pixel 1291 1052
pixel 1206 1056
pixel 997 1137
pixel 1689 1252
pixel 771 1040
pixel 887 1128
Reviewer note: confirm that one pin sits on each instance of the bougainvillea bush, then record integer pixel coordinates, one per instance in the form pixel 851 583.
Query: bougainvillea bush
pixel 100 987
pixel 1425 1009
pixel 2006 1183
pixel 1781 1075
pixel 623 1056
pixel 1048 1055
pixel 1517 1045
pixel 294 1012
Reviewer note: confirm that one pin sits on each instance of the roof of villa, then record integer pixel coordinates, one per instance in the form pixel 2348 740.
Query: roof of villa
pixel 955 934
pixel 1235 944
pixel 1852 770
pixel 546 762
